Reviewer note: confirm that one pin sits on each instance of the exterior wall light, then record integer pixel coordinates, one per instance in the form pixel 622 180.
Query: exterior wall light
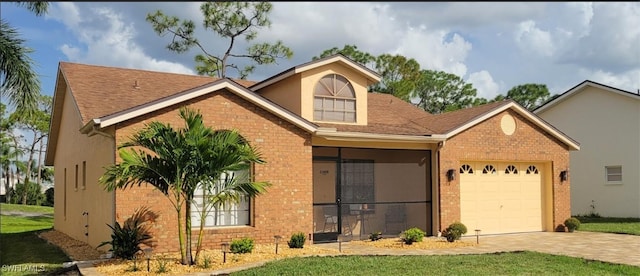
pixel 564 175
pixel 451 175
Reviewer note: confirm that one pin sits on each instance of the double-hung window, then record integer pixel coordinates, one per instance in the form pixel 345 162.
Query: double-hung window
pixel 224 213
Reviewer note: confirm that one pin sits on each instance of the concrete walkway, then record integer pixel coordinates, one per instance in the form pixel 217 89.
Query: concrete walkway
pixel 613 248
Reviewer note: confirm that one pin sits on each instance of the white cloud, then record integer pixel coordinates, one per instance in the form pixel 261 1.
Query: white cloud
pixel 485 85
pixel 434 51
pixel 532 39
pixel 629 81
pixel 106 39
pixel 611 39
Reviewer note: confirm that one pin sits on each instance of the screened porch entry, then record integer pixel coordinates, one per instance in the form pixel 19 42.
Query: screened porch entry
pixel 357 192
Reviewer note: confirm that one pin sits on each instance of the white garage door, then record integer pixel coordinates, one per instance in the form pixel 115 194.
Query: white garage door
pixel 501 197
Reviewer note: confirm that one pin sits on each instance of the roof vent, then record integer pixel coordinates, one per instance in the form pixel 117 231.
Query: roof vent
pixel 135 85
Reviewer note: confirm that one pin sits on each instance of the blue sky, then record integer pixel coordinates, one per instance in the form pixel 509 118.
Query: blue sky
pixel 493 45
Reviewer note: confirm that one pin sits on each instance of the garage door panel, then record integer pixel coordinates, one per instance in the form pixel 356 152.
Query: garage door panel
pixel 500 197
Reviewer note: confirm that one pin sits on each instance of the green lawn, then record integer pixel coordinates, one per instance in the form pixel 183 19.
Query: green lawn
pixel 516 263
pixel 22 252
pixel 610 225
pixel 26 208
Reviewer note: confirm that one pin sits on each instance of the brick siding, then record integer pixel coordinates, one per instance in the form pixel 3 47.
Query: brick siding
pixel 285 208
pixel 486 141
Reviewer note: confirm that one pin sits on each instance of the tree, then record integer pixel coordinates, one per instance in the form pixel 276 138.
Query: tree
pixel 176 162
pixel 18 79
pixel 399 75
pixel 529 95
pixel 439 92
pixel 228 152
pixel 9 150
pixel 352 52
pixel 230 20
pixel 38 125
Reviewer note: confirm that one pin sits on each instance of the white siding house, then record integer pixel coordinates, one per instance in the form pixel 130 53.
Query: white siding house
pixel 605 173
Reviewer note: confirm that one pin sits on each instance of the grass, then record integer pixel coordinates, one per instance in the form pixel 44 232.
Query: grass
pixel 629 226
pixel 22 252
pixel 514 263
pixel 26 208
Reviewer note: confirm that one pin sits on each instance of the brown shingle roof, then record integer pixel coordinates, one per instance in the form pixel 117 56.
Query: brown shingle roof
pixel 389 115
pixel 446 122
pixel 100 90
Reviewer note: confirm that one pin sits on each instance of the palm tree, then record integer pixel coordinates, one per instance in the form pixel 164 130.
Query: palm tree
pixel 20 83
pixel 176 162
pixel 8 157
pixel 226 152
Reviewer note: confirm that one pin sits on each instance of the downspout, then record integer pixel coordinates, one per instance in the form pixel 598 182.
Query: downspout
pixel 436 226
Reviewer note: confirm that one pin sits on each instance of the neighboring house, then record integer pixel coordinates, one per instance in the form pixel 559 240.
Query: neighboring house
pixel 605 173
pixel 341 160
pixel 3 185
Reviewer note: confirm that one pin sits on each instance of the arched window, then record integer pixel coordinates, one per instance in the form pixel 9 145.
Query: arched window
pixel 532 170
pixel 466 169
pixel 511 169
pixel 334 100
pixel 489 169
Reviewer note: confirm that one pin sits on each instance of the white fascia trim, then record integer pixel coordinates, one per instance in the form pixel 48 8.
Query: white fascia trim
pixel 372 137
pixel 313 65
pixel 520 110
pixel 196 92
pixel 89 126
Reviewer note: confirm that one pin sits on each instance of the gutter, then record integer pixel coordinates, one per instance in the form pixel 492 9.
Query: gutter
pixel 333 134
pixel 93 127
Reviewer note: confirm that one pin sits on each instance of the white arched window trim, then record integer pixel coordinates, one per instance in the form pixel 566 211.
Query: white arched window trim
pixel 334 100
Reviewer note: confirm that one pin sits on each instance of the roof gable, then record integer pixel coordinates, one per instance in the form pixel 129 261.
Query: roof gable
pixel 452 123
pixel 581 87
pixel 220 84
pixel 101 90
pixel 368 73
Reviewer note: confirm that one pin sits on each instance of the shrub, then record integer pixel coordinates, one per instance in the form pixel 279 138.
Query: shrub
pixel 375 236
pixel 454 231
pixel 162 265
pixel 206 261
pixel 126 239
pixel 572 224
pixel 297 240
pixel 244 245
pixel 48 197
pixel 412 235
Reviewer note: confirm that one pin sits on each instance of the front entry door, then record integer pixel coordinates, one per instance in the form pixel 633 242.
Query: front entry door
pixel 326 215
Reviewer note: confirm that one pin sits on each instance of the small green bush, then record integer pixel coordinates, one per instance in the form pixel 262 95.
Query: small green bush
pixel 136 230
pixel 572 224
pixel 454 231
pixel 297 240
pixel 162 265
pixel 412 235
pixel 241 246
pixel 375 236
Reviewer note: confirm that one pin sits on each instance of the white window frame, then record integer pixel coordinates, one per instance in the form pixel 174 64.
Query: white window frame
pixel 230 215
pixel 328 109
pixel 607 174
